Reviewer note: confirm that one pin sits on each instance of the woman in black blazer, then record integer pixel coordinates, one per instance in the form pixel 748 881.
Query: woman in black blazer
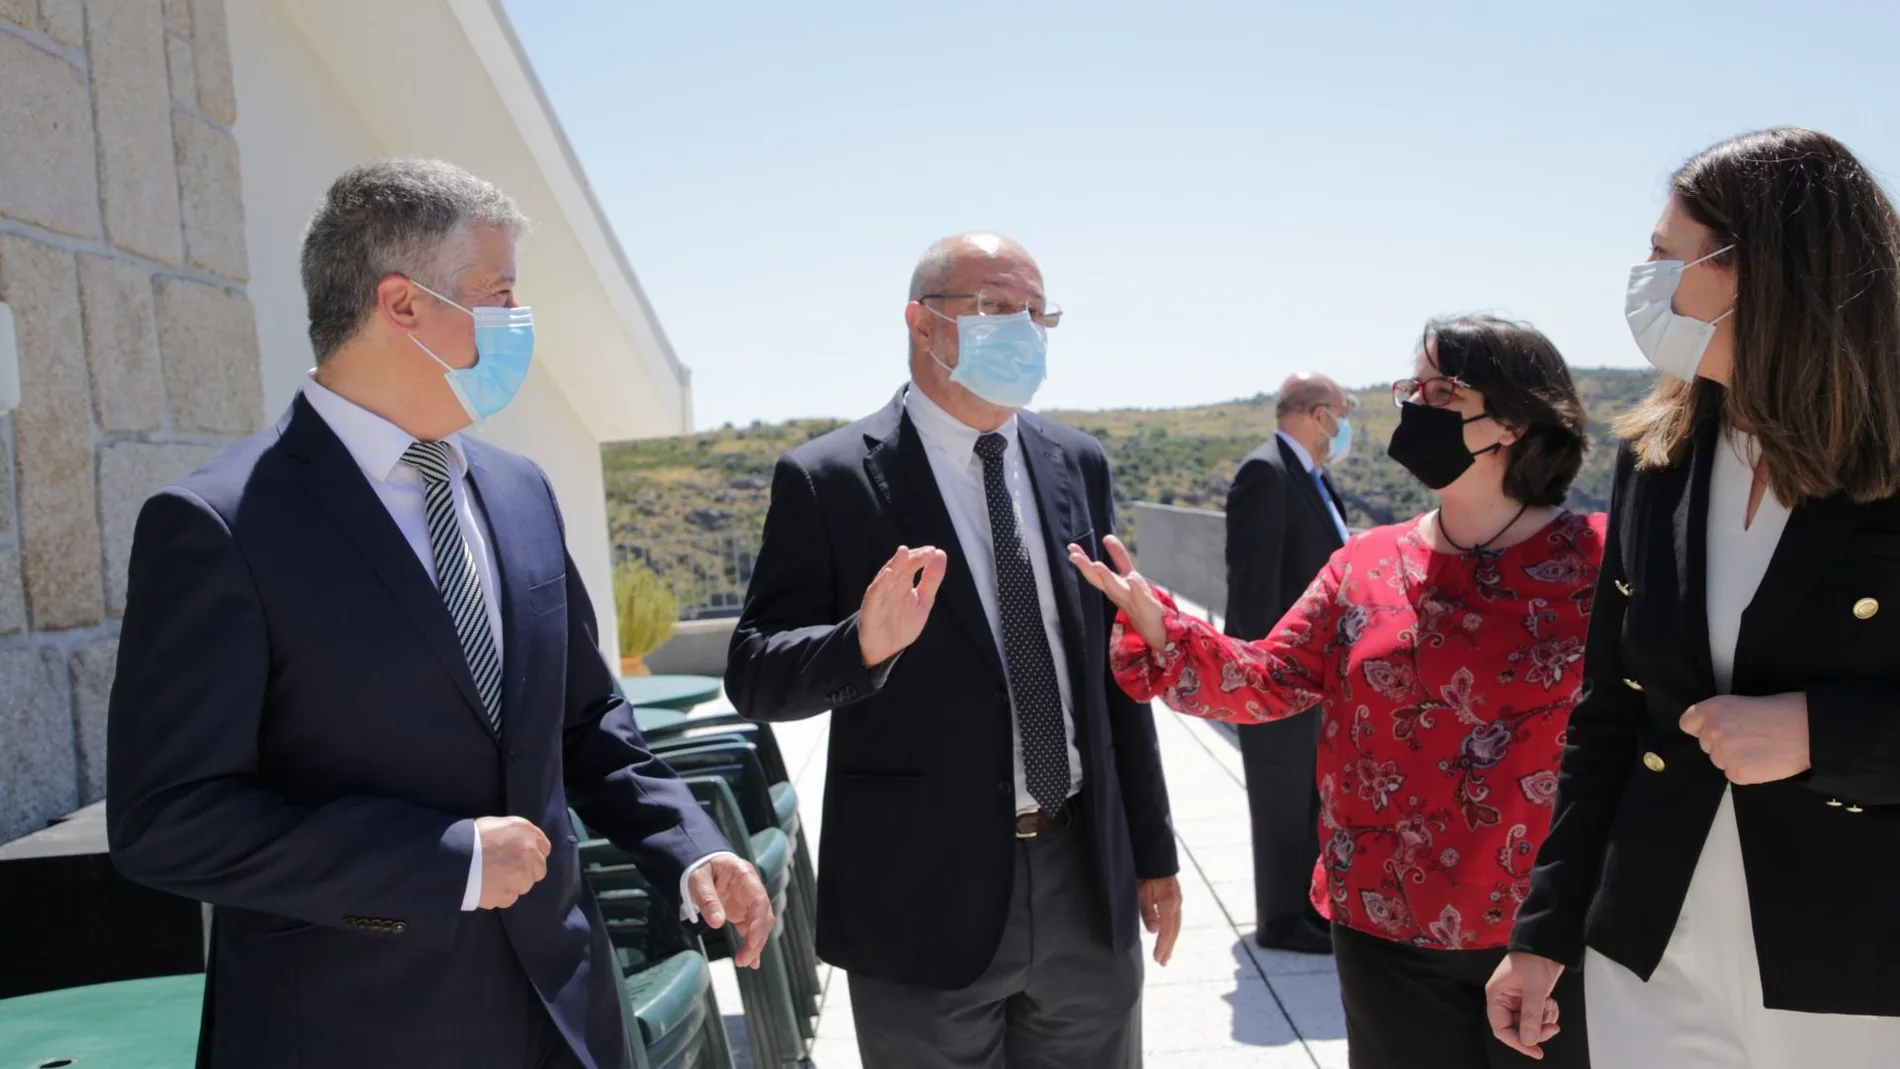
pixel 1726 839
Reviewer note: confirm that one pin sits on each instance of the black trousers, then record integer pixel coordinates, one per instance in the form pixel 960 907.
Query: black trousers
pixel 1283 802
pixel 1408 1008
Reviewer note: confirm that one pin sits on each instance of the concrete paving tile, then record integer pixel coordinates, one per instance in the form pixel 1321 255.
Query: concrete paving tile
pixel 1286 963
pixel 1204 955
pixel 1312 1001
pixel 1213 1016
pixel 1225 864
pixel 1229 832
pixel 1200 908
pixel 1289 1057
pixel 1329 1053
pixel 835 1054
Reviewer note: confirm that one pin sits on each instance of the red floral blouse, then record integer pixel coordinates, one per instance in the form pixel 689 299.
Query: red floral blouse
pixel 1446 682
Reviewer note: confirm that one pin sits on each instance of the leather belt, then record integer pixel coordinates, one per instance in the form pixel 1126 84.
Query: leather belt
pixel 1030 825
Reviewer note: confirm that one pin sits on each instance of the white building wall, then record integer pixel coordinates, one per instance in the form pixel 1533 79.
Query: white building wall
pixel 296 131
pixel 543 425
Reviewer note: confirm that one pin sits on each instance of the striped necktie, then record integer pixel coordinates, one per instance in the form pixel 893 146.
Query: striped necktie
pixel 455 574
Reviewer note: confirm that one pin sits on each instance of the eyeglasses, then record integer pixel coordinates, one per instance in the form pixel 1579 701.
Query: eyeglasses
pixel 1437 391
pixel 1042 313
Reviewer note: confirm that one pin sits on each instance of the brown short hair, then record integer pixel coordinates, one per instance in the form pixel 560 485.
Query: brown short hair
pixel 1525 384
pixel 1817 317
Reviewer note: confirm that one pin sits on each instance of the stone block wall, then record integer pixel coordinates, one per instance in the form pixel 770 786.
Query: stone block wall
pixel 122 255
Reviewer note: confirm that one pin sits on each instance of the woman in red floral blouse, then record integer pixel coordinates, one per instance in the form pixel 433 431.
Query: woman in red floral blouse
pixel 1445 654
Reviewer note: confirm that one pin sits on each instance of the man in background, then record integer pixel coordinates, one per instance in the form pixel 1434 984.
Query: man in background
pixel 1284 520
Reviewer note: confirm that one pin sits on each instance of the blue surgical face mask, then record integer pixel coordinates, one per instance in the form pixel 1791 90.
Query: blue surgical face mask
pixel 1341 442
pixel 504 347
pixel 1001 359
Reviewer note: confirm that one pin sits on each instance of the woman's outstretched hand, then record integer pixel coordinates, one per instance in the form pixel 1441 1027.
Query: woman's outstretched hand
pixel 1125 587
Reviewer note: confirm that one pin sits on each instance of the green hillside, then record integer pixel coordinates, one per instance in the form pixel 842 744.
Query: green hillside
pixel 693 506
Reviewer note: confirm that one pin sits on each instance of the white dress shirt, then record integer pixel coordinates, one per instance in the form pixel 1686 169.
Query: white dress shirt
pixel 1306 461
pixel 377 446
pixel 1738 551
pixel 951 446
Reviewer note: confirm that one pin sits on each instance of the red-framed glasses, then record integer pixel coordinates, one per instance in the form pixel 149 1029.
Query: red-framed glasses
pixel 1437 391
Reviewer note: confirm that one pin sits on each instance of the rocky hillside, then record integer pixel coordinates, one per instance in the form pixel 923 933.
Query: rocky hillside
pixel 693 506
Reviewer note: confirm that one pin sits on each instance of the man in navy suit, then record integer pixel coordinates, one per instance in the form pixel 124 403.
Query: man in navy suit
pixel 359 685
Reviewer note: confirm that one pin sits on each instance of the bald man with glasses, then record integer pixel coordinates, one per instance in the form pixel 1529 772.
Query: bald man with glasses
pixel 996 826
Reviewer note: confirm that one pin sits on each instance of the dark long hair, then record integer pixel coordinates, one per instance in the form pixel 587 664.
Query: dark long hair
pixel 1525 384
pixel 1817 317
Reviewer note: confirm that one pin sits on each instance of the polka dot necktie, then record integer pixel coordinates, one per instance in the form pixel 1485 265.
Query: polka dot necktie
pixel 1032 668
pixel 455 574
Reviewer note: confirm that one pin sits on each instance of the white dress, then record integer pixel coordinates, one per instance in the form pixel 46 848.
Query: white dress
pixel 1703 1007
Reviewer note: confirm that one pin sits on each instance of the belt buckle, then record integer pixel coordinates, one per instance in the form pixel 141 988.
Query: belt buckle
pixel 1027 820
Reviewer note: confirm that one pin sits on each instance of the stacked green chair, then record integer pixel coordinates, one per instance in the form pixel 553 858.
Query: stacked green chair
pixel 672 1017
pixel 766 993
pixel 667 729
pixel 737 761
pixel 771 1008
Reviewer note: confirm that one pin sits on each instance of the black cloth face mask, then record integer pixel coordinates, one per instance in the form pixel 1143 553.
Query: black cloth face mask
pixel 1430 443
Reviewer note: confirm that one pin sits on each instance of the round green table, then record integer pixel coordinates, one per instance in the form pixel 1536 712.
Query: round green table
pixel 669 692
pixel 652 718
pixel 133 1024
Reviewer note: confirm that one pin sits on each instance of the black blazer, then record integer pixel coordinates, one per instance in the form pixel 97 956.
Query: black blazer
pixel 1636 796
pixel 918 854
pixel 1279 536
pixel 297 739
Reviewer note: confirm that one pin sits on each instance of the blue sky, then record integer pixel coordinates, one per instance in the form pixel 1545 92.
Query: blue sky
pixel 1218 193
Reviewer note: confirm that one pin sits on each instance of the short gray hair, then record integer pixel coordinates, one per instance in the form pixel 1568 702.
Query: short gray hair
pixel 406 217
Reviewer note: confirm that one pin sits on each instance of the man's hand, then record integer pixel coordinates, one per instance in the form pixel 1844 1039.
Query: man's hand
pixel 1753 740
pixel 514 858
pixel 1126 588
pixel 726 888
pixel 898 602
pixel 1161 914
pixel 1518 1004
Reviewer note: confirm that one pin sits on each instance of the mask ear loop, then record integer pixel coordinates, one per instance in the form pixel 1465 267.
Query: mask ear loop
pixel 1685 267
pixel 443 299
pixel 932 351
pixel 1705 259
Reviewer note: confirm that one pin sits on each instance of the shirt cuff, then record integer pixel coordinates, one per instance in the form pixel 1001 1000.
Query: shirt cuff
pixel 689 910
pixel 472 897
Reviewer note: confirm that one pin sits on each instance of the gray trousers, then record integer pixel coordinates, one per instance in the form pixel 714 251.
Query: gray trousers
pixel 1055 997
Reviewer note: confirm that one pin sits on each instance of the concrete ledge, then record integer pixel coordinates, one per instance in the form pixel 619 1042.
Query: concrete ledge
pixel 697 648
pixel 1184 550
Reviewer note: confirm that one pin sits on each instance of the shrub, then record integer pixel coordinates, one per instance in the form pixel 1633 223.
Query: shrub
pixel 645 608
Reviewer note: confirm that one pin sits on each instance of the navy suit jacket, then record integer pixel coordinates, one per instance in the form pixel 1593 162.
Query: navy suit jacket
pixel 920 799
pixel 296 738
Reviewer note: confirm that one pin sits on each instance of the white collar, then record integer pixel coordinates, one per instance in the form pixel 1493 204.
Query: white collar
pixel 944 431
pixel 376 443
pixel 1306 458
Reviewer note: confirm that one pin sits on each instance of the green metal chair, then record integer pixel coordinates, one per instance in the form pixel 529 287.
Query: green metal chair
pixel 780 1035
pixel 766 993
pixel 673 1017
pixel 737 761
pixel 701 727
